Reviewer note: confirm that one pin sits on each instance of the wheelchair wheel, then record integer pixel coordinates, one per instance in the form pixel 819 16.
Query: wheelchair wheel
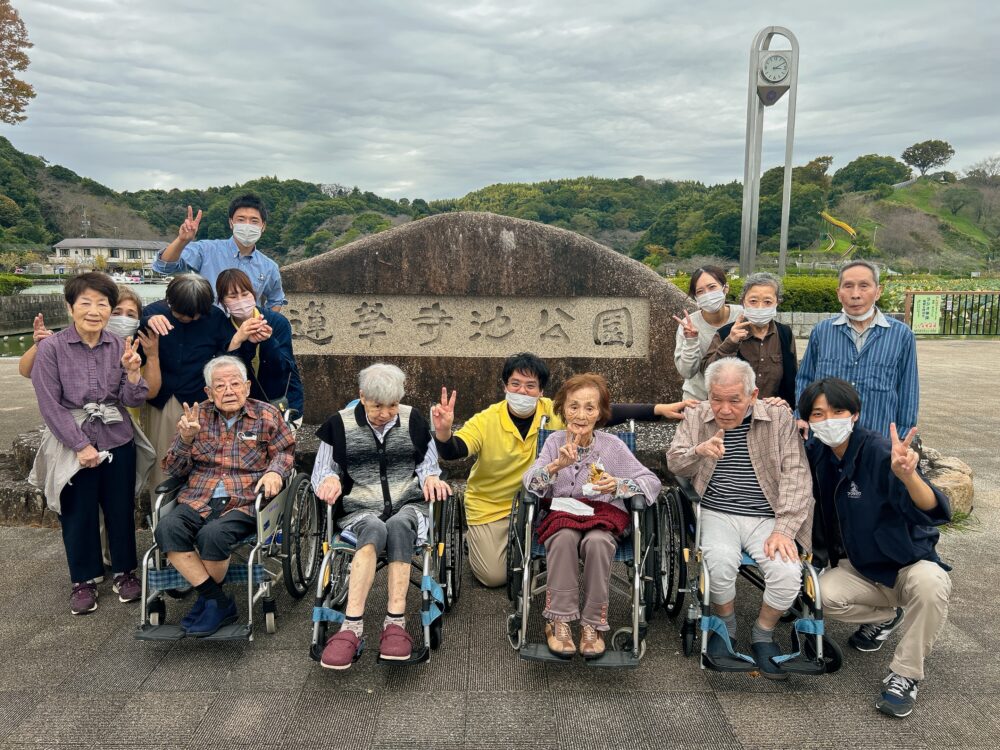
pixel 450 574
pixel 515 555
pixel 622 641
pixel 302 536
pixel 436 633
pixel 651 568
pixel 688 632
pixel 833 657
pixel 672 568
pixel 157 612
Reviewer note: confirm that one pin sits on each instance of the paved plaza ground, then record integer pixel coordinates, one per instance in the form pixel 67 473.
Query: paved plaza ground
pixel 85 682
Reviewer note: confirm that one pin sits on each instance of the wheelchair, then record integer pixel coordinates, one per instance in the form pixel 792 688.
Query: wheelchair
pixel 438 565
pixel 285 548
pixel 639 551
pixel 812 652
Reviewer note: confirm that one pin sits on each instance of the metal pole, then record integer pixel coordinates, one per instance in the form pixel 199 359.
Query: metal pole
pixel 786 191
pixel 751 164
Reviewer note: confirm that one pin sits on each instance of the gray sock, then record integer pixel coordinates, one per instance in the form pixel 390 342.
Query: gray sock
pixel 761 635
pixel 730 621
pixel 355 624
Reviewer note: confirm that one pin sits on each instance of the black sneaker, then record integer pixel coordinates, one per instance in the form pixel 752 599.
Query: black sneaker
pixel 898 697
pixel 871 636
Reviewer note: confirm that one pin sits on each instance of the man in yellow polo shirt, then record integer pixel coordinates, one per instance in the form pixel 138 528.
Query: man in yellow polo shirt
pixel 504 437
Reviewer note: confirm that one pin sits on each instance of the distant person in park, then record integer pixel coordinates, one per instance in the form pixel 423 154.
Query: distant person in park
pixel 695 331
pixel 571 461
pixel 874 353
pixel 191 330
pixel 875 519
pixel 757 338
pixel 504 439
pixel 268 355
pixel 248 220
pixel 84 378
pixel 228 448
pixel 748 464
pixel 376 461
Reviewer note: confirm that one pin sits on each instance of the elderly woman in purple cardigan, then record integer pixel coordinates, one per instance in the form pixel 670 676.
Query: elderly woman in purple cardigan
pixel 598 469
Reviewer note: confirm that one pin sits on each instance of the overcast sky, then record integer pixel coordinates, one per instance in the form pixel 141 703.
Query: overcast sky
pixel 434 98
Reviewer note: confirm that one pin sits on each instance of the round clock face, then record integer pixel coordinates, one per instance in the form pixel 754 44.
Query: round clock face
pixel 774 68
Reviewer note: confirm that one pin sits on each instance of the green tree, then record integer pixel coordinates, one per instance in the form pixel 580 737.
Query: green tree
pixel 318 242
pixel 865 172
pixel 956 198
pixel 10 212
pixel 14 93
pixel 928 154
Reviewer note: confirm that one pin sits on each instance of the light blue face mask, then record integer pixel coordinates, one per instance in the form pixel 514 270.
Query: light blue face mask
pixel 520 404
pixel 122 326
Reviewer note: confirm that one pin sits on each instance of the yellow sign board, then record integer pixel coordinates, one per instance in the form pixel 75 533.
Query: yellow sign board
pixel 926 316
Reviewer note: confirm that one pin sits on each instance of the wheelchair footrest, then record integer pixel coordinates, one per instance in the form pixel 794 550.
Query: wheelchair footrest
pixel 614 660
pixel 726 663
pixel 801 664
pixel 159 633
pixel 540 652
pixel 418 656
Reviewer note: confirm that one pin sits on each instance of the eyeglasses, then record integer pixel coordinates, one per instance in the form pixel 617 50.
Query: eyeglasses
pixel 223 387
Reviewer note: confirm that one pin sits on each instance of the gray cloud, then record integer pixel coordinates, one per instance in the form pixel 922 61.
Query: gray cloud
pixel 433 99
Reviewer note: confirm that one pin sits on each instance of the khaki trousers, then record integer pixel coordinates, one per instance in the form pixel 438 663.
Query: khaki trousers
pixel 921 589
pixel 488 552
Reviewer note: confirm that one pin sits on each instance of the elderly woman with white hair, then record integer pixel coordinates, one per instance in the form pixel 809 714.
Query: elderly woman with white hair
pixel 747 462
pixel 757 338
pixel 378 461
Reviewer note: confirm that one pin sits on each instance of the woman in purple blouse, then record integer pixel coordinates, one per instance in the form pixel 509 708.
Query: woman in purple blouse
pixel 84 376
pixel 598 469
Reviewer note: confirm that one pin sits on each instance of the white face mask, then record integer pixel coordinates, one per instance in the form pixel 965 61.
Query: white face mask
pixel 711 302
pixel 247 234
pixel 241 309
pixel 760 315
pixel 122 326
pixel 520 404
pixel 862 317
pixel 832 432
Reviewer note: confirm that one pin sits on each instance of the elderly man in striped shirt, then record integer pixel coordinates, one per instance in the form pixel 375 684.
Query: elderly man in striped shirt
pixel 747 462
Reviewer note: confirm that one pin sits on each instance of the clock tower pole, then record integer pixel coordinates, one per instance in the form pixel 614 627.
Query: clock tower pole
pixel 772 73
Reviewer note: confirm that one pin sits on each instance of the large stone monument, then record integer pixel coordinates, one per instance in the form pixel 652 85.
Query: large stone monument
pixel 449 297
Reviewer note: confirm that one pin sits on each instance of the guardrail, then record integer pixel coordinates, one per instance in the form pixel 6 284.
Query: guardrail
pixel 943 313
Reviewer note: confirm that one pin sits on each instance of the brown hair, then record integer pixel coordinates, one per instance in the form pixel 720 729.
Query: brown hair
pixel 94 281
pixel 586 380
pixel 714 271
pixel 232 280
pixel 126 294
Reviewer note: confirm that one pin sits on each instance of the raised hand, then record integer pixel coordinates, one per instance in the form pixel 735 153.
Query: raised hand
pixel 690 332
pixel 436 489
pixel 263 332
pixel 150 341
pixel 676 409
pixel 443 415
pixel 567 453
pixel 188 426
pixel 160 325
pixel 776 401
pixel 39 331
pixel 250 328
pixel 740 330
pixel 803 427
pixel 189 227
pixel 329 489
pixel 904 458
pixel 714 447
pixel 131 361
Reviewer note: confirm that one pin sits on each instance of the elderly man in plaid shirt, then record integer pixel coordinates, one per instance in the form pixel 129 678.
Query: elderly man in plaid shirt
pixel 746 460
pixel 228 448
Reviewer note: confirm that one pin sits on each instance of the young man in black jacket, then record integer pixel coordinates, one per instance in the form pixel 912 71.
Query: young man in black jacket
pixel 875 518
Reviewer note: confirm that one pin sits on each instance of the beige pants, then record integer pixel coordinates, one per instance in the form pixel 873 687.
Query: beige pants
pixel 488 552
pixel 922 589
pixel 161 427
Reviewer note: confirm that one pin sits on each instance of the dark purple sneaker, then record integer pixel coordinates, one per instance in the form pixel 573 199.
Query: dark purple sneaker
pixel 83 599
pixel 127 586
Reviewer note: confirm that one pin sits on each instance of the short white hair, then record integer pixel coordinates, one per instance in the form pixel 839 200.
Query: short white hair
pixel 223 361
pixel 729 369
pixel 382 383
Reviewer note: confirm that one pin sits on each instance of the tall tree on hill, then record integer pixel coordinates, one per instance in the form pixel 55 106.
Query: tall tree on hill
pixel 14 93
pixel 928 154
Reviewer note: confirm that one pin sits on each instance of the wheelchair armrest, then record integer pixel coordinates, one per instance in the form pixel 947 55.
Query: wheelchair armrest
pixel 687 489
pixel 170 484
pixel 529 498
pixel 638 503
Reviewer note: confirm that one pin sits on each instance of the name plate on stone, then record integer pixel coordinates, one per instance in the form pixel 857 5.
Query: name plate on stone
pixel 433 326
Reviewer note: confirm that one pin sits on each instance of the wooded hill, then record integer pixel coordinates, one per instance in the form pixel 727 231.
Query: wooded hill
pixel 949 226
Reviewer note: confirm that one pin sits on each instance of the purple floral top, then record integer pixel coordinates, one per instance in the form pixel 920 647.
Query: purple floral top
pixel 68 374
pixel 606 449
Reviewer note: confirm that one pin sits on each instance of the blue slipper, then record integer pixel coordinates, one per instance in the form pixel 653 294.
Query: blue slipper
pixel 194 613
pixel 762 653
pixel 213 617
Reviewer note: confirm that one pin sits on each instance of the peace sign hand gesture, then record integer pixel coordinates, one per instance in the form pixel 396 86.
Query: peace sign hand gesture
pixel 690 332
pixel 567 453
pixel 188 427
pixel 131 361
pixel 39 331
pixel 189 228
pixel 740 330
pixel 904 458
pixel 443 415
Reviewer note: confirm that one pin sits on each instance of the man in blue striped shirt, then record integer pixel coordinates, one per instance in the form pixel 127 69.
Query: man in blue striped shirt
pixel 874 353
pixel 248 220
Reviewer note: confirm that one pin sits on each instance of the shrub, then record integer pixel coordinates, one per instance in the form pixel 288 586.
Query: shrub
pixel 801 293
pixel 11 284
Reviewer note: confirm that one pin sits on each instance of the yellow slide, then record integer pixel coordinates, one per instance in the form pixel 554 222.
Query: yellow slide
pixel 839 224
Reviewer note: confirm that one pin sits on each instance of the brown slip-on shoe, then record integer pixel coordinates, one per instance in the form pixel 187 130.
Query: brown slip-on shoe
pixel 560 639
pixel 591 643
